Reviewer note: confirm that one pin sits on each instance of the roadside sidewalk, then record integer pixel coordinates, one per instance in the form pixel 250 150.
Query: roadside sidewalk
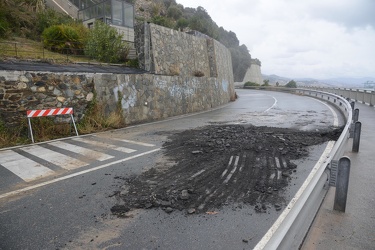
pixel 354 229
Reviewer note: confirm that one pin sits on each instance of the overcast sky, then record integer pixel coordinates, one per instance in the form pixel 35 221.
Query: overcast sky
pixel 301 38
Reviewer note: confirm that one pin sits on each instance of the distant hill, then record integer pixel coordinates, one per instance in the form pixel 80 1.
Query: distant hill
pixel 346 82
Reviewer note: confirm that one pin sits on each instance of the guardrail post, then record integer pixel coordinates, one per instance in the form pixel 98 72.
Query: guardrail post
pixel 356 115
pixel 356 136
pixel 352 104
pixel 342 184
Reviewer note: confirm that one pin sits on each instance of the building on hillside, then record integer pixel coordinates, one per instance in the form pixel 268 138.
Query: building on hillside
pixel 116 13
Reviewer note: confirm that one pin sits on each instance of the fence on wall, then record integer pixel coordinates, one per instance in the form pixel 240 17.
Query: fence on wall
pixel 72 52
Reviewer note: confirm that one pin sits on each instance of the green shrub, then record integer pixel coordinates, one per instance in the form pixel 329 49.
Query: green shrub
pixel 50 17
pixel 291 84
pixel 163 21
pixel 182 23
pixel 64 39
pixel 174 12
pixel 105 44
pixel 133 63
pixel 4 25
pixel 251 84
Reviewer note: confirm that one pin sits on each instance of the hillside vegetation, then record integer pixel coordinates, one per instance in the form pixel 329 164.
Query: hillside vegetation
pixel 30 18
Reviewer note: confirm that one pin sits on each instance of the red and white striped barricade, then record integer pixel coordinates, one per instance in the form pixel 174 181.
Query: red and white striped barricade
pixel 49 112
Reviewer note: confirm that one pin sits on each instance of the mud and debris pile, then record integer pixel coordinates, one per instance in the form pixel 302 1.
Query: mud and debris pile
pixel 213 166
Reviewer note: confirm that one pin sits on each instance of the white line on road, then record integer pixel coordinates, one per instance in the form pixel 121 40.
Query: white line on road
pixel 75 174
pixel 56 158
pixel 92 154
pixel 130 141
pixel 273 105
pixel 105 145
pixel 23 167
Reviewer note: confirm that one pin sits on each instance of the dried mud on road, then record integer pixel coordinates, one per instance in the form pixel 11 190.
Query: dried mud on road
pixel 217 165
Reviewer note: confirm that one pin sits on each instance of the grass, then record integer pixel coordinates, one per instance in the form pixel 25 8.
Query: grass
pixel 47 128
pixel 22 48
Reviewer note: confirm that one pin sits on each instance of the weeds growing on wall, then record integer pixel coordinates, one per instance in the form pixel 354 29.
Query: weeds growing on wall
pixel 13 136
pixel 47 128
pixel 95 118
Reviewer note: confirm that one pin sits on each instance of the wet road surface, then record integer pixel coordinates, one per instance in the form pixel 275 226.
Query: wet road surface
pixel 70 207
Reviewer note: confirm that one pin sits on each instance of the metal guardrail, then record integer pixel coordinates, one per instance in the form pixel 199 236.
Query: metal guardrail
pixel 358 95
pixel 292 225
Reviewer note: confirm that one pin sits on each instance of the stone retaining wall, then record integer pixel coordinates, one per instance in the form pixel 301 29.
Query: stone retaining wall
pixel 21 91
pixel 165 51
pixel 143 97
pixel 174 58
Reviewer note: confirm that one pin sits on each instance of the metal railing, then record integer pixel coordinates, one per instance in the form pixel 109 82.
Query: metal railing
pixel 292 225
pixel 37 51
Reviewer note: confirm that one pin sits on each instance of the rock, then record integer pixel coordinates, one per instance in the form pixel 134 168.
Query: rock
pixel 89 97
pixel 191 210
pixel 277 207
pixel 23 79
pixel 197 152
pixel 41 89
pixel 285 174
pixel 61 99
pixel 184 195
pixel 148 205
pixel 21 85
pixel 57 92
pixel 168 210
pixel 119 209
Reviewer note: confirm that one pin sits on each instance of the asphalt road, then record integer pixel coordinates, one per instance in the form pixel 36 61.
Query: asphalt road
pixel 70 206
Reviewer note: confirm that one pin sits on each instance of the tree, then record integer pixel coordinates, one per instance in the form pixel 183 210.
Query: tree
pixel 266 82
pixel 291 84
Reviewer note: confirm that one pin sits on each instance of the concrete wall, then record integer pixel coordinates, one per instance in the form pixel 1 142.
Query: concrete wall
pixel 143 97
pixel 253 74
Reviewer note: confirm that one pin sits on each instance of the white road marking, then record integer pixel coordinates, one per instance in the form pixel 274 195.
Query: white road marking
pixel 273 105
pixel 105 145
pixel 23 167
pixel 56 158
pixel 81 150
pixel 75 174
pixel 132 142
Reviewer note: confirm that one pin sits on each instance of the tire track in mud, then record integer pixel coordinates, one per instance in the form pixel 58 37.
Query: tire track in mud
pixel 218 165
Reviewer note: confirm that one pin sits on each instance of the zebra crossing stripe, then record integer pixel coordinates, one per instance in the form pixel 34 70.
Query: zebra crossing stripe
pixel 56 158
pixel 92 154
pixel 105 145
pixel 23 167
pixel 131 142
